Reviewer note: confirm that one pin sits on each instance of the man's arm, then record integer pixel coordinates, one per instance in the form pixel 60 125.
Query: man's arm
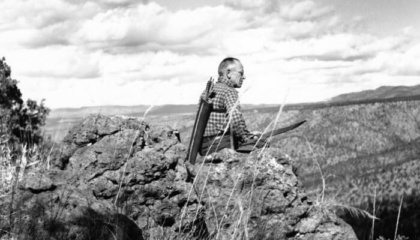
pixel 235 116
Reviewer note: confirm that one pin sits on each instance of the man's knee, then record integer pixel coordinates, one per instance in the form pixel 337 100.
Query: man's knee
pixel 214 143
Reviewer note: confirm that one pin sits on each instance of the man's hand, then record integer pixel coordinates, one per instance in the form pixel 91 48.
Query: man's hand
pixel 253 140
pixel 254 135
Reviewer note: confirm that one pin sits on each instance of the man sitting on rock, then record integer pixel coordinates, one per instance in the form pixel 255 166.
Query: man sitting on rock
pixel 231 76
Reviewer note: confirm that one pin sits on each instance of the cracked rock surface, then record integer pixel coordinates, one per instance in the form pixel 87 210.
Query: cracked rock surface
pixel 257 196
pixel 119 178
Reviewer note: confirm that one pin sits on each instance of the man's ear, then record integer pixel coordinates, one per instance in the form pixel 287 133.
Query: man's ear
pixel 228 74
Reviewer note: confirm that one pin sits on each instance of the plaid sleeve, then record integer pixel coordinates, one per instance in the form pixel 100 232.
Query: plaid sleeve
pixel 235 116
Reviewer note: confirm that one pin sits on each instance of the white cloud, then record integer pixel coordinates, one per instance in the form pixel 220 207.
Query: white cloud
pixel 109 4
pixel 60 63
pixel 287 10
pixel 130 52
pixel 42 23
pixel 152 27
pixel 24 14
pixel 401 63
pixel 247 4
pixel 304 10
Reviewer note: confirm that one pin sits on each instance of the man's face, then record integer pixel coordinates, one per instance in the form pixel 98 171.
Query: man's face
pixel 236 74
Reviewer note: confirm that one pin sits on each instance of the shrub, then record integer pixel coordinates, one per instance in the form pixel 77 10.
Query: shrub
pixel 20 121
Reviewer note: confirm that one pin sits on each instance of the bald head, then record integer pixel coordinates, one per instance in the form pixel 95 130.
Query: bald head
pixel 232 71
pixel 226 64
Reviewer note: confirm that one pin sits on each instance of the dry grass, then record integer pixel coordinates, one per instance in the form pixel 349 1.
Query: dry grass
pixel 329 204
pixel 398 218
pixel 11 173
pixel 6 170
pixel 14 167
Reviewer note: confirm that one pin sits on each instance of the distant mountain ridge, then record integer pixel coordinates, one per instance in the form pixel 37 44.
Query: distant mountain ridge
pixel 383 92
pixel 59 120
pixel 135 111
pixel 106 110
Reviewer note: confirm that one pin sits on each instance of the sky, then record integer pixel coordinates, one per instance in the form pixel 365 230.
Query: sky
pixel 76 53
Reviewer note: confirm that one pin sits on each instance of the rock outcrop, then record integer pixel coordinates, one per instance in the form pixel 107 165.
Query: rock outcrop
pixel 119 178
pixel 257 196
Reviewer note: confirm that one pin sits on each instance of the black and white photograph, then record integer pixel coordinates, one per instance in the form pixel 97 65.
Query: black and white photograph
pixel 209 119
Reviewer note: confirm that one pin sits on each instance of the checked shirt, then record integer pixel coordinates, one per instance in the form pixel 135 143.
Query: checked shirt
pixel 226 97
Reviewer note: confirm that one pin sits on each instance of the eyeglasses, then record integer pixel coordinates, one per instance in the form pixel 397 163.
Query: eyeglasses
pixel 240 72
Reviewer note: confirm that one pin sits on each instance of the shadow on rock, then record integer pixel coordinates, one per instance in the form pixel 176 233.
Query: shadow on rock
pixel 119 178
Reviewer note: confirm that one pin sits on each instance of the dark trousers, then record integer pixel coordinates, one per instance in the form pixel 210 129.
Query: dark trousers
pixel 216 143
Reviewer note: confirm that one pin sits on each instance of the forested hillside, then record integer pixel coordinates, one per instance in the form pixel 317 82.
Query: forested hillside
pixel 383 92
pixel 367 152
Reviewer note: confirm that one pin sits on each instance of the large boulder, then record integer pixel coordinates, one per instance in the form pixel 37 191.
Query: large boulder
pixel 119 178
pixel 258 196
